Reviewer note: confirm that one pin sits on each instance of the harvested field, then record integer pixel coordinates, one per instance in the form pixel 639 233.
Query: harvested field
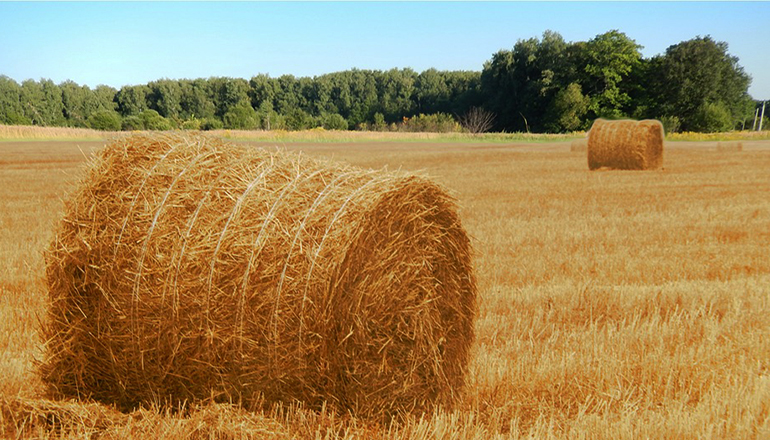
pixel 612 305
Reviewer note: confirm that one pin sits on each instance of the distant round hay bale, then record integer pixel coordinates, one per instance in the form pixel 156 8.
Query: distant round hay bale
pixel 625 144
pixel 579 145
pixel 186 268
pixel 730 146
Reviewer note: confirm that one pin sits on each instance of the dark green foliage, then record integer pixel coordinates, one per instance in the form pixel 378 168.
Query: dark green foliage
pixel 211 124
pixel 568 109
pixel 298 119
pixel 152 120
pixel 540 85
pixel 131 123
pixel 241 117
pixel 696 81
pixel 435 123
pixel 132 100
pixel 712 118
pixel 379 122
pixel 11 108
pixel 670 124
pixel 106 120
pixel 333 121
pixel 609 59
pixel 41 102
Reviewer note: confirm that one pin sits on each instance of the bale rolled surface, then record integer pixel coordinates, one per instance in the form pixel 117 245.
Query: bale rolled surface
pixel 625 144
pixel 187 268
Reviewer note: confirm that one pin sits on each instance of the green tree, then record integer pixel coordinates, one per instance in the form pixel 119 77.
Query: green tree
pixel 211 124
pixel 107 120
pixel 241 117
pixel 712 117
pixel 519 85
pixel 106 97
pixel 131 123
pixel 196 101
pixel 132 100
pixel 333 121
pixel 609 60
pixel 378 123
pixel 262 89
pixel 394 93
pixel 696 78
pixel 228 93
pixel 11 108
pixel 80 102
pixel 152 120
pixel 165 97
pixel 567 109
pixel 298 119
pixel 42 102
pixel 266 116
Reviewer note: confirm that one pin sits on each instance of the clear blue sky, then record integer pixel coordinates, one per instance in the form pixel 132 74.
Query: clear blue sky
pixel 136 42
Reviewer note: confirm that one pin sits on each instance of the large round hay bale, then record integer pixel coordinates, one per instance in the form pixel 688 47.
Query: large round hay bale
pixel 625 144
pixel 187 268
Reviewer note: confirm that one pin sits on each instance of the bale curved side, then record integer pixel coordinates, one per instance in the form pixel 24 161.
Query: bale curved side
pixel 187 268
pixel 625 144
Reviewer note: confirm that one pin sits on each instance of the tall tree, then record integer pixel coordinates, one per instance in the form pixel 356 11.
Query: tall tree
pixel 196 101
pixel 42 102
pixel 11 107
pixel 132 100
pixel 696 78
pixel 609 60
pixel 165 97
pixel 79 102
pixel 518 85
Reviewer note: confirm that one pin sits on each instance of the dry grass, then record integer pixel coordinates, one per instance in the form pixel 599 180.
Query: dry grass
pixel 579 145
pixel 730 146
pixel 25 132
pixel 613 305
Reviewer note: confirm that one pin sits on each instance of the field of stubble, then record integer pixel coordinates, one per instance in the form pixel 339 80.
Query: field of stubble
pixel 613 304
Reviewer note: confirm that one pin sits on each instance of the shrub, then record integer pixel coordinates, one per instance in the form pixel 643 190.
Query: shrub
pixel 107 120
pixel 241 117
pixel 132 123
pixel 333 121
pixel 670 124
pixel 152 120
pixel 211 124
pixel 379 122
pixel 712 118
pixel 192 124
pixel 435 123
pixel 299 119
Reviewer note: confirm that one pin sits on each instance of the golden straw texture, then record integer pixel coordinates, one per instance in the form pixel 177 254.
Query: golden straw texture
pixel 186 268
pixel 625 144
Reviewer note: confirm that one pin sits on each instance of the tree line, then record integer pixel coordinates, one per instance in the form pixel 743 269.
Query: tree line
pixel 540 85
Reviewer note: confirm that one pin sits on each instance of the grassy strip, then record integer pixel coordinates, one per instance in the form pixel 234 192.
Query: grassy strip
pixel 319 135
